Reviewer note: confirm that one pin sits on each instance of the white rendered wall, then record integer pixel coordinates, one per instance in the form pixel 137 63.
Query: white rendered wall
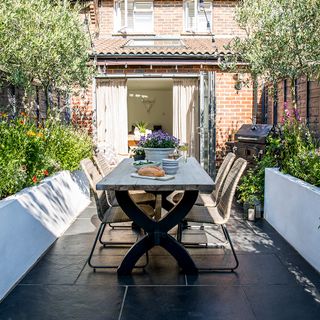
pixel 292 207
pixel 31 220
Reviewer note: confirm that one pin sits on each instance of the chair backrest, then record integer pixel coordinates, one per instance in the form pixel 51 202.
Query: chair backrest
pixel 102 163
pixel 229 188
pixel 94 177
pixel 222 174
pixel 104 169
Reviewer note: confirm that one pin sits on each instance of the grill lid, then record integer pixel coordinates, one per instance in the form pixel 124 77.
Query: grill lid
pixel 253 133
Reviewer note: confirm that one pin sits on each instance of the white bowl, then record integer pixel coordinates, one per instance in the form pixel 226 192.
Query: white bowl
pixel 170 171
pixel 145 163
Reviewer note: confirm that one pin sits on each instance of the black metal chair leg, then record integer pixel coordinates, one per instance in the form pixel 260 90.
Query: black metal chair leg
pixel 225 231
pixel 98 237
pixel 224 269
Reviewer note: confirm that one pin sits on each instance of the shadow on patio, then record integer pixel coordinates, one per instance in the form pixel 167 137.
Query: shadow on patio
pixel 272 282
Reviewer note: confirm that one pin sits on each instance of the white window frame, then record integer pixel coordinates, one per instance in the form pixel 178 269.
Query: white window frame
pixel 196 10
pixel 122 26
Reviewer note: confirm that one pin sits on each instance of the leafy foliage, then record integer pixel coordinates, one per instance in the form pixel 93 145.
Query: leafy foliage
pixel 291 148
pixel 43 41
pixel 29 153
pixel 282 38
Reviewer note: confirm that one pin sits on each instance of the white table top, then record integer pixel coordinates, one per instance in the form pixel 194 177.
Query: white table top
pixel 190 176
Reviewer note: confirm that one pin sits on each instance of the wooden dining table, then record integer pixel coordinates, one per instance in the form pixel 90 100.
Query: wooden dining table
pixel 190 178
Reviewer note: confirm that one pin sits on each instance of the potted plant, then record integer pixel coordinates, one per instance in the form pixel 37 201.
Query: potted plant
pixel 138 154
pixel 142 127
pixel 158 145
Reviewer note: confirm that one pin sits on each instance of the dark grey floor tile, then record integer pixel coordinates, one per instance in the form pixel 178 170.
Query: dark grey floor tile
pixel 253 269
pixel 56 269
pixel 158 303
pixel 51 302
pixel 79 244
pixel 161 270
pixel 281 302
pixel 88 213
pixel 261 226
pixel 83 226
pixel 302 271
pixel 250 242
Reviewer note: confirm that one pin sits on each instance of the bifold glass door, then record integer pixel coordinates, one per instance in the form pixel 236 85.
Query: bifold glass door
pixel 207 119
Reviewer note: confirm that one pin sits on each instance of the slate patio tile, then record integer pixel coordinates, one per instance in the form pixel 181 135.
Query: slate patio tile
pixel 282 302
pixel 57 302
pixel 161 270
pixel 56 269
pixel 158 303
pixel 253 269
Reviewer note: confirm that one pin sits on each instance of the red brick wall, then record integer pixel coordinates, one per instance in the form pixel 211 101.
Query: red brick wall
pixel 106 18
pixel 82 109
pixel 234 108
pixel 223 19
pixel 168 18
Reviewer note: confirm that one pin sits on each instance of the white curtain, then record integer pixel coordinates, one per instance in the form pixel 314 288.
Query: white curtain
pixel 112 115
pixel 185 113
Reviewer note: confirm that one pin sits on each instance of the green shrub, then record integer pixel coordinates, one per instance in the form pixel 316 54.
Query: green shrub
pixel 66 146
pixel 292 148
pixel 29 153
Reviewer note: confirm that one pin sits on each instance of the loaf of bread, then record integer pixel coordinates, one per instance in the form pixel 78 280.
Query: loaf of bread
pixel 151 171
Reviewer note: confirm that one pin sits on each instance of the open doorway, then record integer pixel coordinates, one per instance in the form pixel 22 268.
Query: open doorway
pixel 150 101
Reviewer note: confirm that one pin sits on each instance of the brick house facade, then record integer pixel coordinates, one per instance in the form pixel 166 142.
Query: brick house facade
pixel 178 43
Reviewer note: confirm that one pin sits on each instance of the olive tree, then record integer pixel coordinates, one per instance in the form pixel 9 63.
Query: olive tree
pixel 44 42
pixel 282 39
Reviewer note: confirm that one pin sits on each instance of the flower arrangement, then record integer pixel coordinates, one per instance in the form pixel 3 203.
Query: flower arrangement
pixel 158 139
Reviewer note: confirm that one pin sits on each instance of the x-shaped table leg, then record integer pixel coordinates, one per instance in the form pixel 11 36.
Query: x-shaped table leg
pixel 157 232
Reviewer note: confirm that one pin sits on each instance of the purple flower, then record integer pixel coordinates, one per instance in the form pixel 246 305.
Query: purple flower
pixel 296 114
pixel 158 139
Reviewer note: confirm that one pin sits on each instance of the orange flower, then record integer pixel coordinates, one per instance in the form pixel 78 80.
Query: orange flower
pixel 21 122
pixel 34 179
pixel 23 114
pixel 45 172
pixel 40 135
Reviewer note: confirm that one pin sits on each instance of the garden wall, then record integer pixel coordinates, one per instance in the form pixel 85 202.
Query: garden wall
pixel 292 208
pixel 31 220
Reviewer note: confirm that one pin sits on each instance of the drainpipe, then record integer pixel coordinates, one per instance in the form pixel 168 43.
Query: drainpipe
pixel 255 100
pixel 275 103
pixel 94 111
pixel 308 103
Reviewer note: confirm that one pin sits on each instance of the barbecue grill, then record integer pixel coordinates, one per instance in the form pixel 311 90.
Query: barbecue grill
pixel 251 141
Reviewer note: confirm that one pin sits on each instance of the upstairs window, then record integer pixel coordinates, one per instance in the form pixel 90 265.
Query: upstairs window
pixel 197 16
pixel 134 16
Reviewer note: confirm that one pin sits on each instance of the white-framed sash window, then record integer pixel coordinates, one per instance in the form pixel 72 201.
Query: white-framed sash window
pixel 133 16
pixel 197 16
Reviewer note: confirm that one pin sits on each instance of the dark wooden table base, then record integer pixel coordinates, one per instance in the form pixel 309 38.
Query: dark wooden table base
pixel 157 231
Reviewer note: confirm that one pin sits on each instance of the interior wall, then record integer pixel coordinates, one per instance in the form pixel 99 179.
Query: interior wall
pixel 160 113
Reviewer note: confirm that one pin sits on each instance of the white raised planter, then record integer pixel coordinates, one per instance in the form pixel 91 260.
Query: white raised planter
pixel 31 220
pixel 292 207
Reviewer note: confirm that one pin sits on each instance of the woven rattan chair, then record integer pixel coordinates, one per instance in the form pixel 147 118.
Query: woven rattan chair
pixel 212 199
pixel 106 213
pixel 220 214
pixel 139 197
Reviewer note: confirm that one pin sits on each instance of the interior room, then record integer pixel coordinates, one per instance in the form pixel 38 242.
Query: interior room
pixel 150 101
